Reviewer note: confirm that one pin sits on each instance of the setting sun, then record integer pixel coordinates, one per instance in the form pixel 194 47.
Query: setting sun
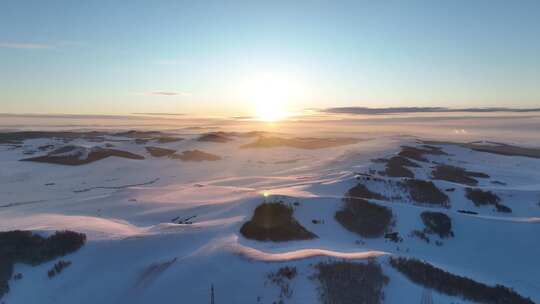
pixel 267 111
pixel 271 95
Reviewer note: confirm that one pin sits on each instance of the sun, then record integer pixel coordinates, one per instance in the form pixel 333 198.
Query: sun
pixel 270 95
pixel 271 107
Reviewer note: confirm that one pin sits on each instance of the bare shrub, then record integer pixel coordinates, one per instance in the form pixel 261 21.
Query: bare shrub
pixel 438 223
pixel 365 218
pixel 362 191
pixel 168 139
pixel 480 197
pixel 502 208
pixel 62 157
pixel 426 192
pixel 346 282
pixel 418 154
pixel 457 175
pixel 421 235
pixel 274 222
pixel 396 167
pixel 58 268
pixel 216 137
pixel 282 278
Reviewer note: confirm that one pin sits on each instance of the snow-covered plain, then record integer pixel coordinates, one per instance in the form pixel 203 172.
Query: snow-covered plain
pixel 135 254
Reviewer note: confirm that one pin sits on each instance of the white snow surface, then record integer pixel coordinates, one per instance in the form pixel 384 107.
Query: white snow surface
pixel 134 254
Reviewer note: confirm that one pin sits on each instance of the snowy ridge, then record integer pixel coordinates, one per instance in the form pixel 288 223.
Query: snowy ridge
pixel 137 251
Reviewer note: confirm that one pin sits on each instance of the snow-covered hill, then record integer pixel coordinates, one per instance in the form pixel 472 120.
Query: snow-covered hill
pixel 164 230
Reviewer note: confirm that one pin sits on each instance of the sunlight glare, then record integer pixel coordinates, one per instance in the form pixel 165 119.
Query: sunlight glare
pixel 271 95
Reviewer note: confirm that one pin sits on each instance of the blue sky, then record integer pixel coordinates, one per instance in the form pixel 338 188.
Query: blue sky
pixel 203 56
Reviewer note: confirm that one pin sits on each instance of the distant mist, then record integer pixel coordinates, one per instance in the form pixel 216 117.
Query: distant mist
pixel 401 110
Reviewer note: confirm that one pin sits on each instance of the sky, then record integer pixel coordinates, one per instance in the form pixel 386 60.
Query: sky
pixel 247 57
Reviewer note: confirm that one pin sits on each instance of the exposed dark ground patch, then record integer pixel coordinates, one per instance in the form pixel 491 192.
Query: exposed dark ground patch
pixel 346 282
pixel 453 285
pixel 421 234
pixel 95 154
pixel 402 161
pixel 139 134
pixel 396 167
pixel 19 137
pixel 438 223
pixel 57 268
pixel 434 149
pixel 282 278
pixel 28 248
pixel 159 152
pixel 361 191
pixel 66 136
pixel 503 208
pixel 274 222
pixel 364 218
pixel 418 153
pixel 425 192
pixel 457 175
pixel 250 134
pixel 494 148
pixel 481 198
pixel 216 137
pixel 505 149
pixel 196 155
pixel 143 137
pixel 10 142
pixel 299 142
pixel 168 139
pixel 409 189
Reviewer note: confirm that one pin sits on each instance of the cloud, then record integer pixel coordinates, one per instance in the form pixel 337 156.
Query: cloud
pixel 165 93
pixel 243 117
pixel 25 46
pixel 161 114
pixel 400 110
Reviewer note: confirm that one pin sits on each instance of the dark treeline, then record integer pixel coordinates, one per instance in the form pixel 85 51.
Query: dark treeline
pixel 442 281
pixel 29 248
pixel 346 282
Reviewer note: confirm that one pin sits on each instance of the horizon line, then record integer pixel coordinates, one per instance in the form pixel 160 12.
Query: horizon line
pixel 356 110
